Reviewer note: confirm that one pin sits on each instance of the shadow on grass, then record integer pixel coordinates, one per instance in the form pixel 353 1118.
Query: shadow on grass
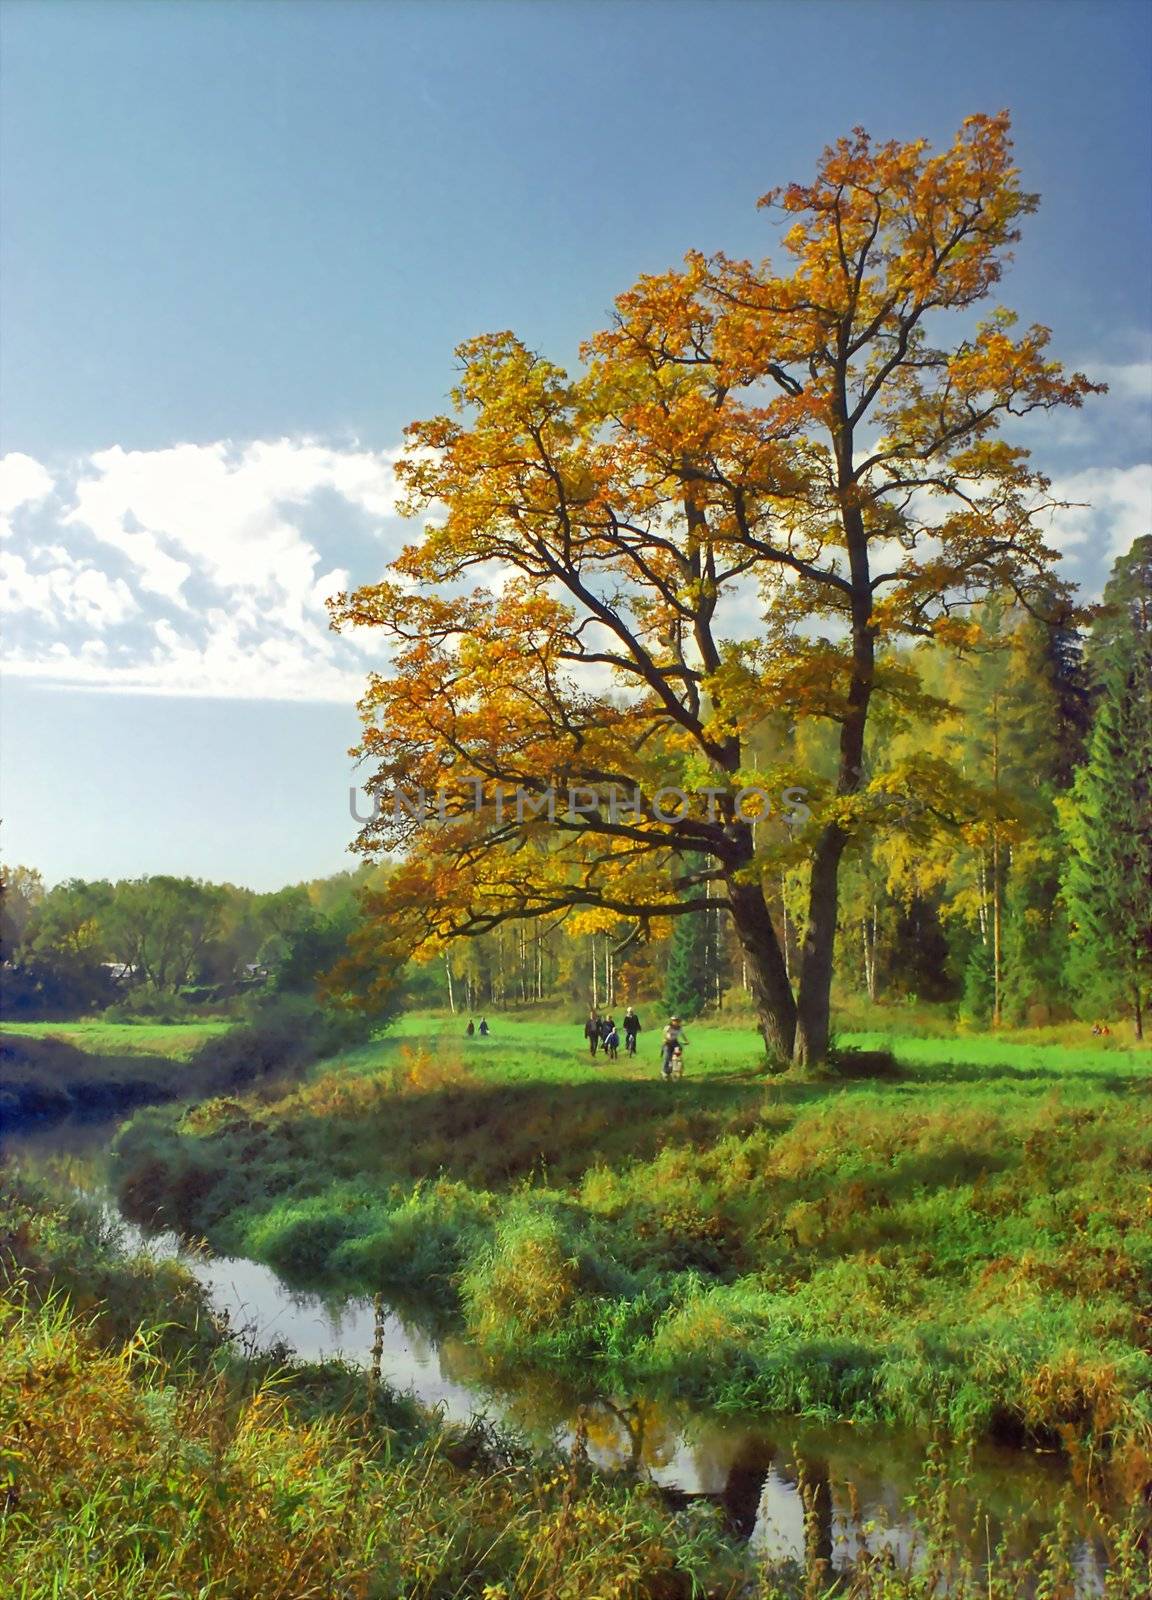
pixel 45 1079
pixel 922 1073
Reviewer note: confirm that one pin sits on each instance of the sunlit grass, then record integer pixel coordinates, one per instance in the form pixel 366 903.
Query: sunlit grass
pixel 177 1040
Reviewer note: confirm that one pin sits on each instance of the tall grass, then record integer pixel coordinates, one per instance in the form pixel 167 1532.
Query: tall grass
pixel 142 1458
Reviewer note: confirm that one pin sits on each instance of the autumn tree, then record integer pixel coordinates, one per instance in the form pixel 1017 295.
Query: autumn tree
pixel 808 439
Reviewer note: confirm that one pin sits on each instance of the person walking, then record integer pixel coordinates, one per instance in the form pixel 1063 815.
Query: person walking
pixel 631 1029
pixel 592 1032
pixel 612 1040
pixel 483 1029
pixel 671 1045
pixel 470 1029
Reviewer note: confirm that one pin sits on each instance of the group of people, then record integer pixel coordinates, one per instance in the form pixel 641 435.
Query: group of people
pixel 603 1034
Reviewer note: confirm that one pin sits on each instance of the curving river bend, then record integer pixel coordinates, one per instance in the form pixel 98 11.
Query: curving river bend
pixel 751 1468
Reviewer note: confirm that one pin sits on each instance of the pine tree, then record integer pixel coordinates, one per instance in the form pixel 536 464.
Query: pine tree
pixel 1108 819
pixel 686 981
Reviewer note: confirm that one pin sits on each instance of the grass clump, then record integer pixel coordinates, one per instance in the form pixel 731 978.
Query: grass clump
pixel 142 1464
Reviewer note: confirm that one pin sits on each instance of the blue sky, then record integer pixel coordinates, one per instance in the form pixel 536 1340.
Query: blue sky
pixel 240 241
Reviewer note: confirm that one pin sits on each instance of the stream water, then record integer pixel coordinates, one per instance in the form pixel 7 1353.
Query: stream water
pixel 753 1468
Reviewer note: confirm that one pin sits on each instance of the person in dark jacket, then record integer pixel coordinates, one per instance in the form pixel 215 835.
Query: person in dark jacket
pixel 470 1029
pixel 631 1029
pixel 592 1032
pixel 483 1029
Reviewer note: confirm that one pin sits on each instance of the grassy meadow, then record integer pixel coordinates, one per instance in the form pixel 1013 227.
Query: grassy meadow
pixel 962 1244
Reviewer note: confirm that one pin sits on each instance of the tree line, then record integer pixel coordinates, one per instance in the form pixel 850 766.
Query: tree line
pixel 1030 903
pixel 140 943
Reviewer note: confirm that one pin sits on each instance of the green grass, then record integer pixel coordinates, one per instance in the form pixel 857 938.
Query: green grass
pixel 176 1041
pixel 965 1245
pixel 143 1457
pixel 523 1050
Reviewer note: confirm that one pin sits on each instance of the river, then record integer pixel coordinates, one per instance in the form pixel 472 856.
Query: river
pixel 752 1468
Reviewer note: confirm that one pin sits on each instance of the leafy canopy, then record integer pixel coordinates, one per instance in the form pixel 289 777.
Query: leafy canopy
pixel 758 480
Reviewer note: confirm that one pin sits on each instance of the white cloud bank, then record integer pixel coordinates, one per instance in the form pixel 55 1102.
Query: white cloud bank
pixel 203 569
pixel 199 569
pixel 1107 507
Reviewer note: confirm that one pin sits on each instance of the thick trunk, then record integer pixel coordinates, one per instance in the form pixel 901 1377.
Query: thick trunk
pixel 815 998
pixel 814 1007
pixel 767 977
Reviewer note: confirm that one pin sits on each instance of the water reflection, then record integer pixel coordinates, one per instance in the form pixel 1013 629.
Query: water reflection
pixel 795 1491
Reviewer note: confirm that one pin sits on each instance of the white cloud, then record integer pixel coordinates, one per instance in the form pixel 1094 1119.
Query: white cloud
pixel 211 556
pixel 226 513
pixel 23 481
pixel 1108 508
pixel 69 592
pixel 1127 380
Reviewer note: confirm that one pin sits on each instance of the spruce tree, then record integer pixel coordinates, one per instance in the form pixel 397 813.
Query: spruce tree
pixel 686 981
pixel 1108 819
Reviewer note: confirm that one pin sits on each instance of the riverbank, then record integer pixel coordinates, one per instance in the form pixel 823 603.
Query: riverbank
pixel 48 1073
pixel 146 1456
pixel 91 1067
pixel 143 1457
pixel 966 1246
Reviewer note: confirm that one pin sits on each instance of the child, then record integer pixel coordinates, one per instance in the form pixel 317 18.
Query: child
pixel 611 1040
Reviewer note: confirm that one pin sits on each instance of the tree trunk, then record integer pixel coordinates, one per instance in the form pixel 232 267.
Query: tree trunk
pixel 813 1013
pixel 997 934
pixel 451 992
pixel 784 915
pixel 767 977
pixel 868 925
